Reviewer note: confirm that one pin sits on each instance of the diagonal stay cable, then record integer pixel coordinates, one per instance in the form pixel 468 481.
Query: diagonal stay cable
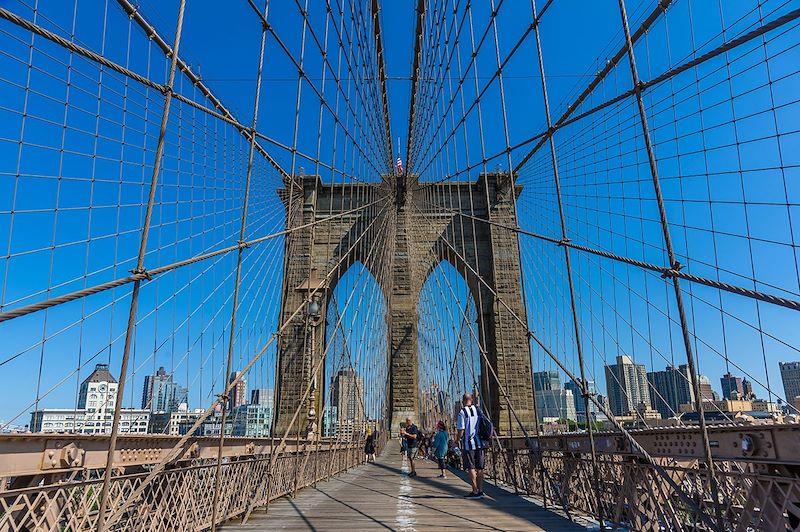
pixel 567 117
pixel 601 406
pixel 659 10
pixel 493 373
pixel 149 274
pixel 176 450
pixel 666 272
pixel 223 114
pixel 134 13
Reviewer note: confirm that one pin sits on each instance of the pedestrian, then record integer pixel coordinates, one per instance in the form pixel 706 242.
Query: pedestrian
pixel 424 443
pixel 411 434
pixel 403 444
pixel 473 453
pixel 453 455
pixel 369 447
pixel 440 442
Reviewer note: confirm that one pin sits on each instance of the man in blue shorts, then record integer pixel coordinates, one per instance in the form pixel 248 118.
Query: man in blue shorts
pixel 410 434
pixel 472 450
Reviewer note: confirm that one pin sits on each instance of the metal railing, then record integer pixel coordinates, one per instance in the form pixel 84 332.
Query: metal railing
pixel 757 472
pixel 65 495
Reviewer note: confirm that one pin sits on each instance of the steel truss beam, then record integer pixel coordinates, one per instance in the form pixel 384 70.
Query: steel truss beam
pixel 39 454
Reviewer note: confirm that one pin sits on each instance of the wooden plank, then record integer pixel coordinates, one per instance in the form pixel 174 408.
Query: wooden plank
pixel 379 496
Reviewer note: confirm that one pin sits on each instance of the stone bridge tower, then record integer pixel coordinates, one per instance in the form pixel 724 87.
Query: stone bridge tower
pixel 424 228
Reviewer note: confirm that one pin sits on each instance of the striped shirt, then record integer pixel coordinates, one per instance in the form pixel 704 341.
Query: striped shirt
pixel 468 422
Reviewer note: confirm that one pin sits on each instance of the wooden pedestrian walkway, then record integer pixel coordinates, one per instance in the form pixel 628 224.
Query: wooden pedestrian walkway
pixel 380 496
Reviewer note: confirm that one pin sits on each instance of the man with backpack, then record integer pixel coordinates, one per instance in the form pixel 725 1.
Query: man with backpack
pixel 474 428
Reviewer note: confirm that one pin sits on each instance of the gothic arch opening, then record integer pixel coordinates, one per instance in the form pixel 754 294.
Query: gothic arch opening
pixel 356 361
pixel 448 344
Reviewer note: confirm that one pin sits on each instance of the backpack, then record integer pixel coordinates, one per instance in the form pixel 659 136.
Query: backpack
pixel 485 427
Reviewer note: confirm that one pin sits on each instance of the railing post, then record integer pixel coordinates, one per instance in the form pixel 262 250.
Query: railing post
pixel 316 460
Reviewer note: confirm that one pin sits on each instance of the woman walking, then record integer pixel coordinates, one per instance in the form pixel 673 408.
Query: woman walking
pixel 440 446
pixel 369 447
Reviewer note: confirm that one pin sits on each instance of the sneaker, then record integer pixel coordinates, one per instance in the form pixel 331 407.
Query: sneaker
pixel 412 474
pixel 441 476
pixel 474 496
pixel 481 494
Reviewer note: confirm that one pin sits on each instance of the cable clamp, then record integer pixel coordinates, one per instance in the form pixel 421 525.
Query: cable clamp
pixel 243 244
pixel 142 271
pixel 564 241
pixel 676 267
pixel 166 90
pixel 223 397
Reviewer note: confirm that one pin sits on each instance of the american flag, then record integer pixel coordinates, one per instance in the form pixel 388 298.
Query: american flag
pixel 399 165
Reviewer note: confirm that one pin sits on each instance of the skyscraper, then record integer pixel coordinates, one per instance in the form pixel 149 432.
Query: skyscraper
pixel 747 390
pixel 252 420
pixel 238 393
pixel 669 389
pixel 707 393
pixel 98 392
pixel 255 418
pixel 731 384
pixel 790 374
pixel 347 396
pixel 96 407
pixel 556 404
pixel 161 394
pixel 627 386
pixel 262 396
pixel 580 413
pixel 546 380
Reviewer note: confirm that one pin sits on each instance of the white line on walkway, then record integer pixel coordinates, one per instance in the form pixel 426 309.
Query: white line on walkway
pixel 405 519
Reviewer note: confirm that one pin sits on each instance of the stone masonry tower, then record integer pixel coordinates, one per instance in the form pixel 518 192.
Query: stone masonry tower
pixel 421 225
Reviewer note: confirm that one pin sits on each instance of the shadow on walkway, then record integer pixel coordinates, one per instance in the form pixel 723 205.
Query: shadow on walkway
pixel 380 496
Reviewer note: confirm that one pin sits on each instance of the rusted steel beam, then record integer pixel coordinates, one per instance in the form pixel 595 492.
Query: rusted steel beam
pixel 775 444
pixel 33 454
pixel 179 500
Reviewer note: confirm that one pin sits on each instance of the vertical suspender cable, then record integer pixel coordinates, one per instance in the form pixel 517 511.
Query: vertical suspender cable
pixel 584 385
pixel 237 280
pixel 112 445
pixel 673 263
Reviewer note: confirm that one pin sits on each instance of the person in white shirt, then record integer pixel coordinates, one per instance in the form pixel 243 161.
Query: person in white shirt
pixel 472 450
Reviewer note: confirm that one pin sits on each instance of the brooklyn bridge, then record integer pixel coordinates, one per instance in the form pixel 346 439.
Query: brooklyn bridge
pixel 246 244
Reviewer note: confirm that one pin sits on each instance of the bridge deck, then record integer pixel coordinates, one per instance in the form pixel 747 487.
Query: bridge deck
pixel 380 497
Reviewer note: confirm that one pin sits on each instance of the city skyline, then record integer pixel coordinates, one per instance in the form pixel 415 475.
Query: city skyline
pixel 661 389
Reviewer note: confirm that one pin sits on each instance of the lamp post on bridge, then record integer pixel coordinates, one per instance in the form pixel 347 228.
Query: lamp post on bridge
pixel 313 320
pixel 315 290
